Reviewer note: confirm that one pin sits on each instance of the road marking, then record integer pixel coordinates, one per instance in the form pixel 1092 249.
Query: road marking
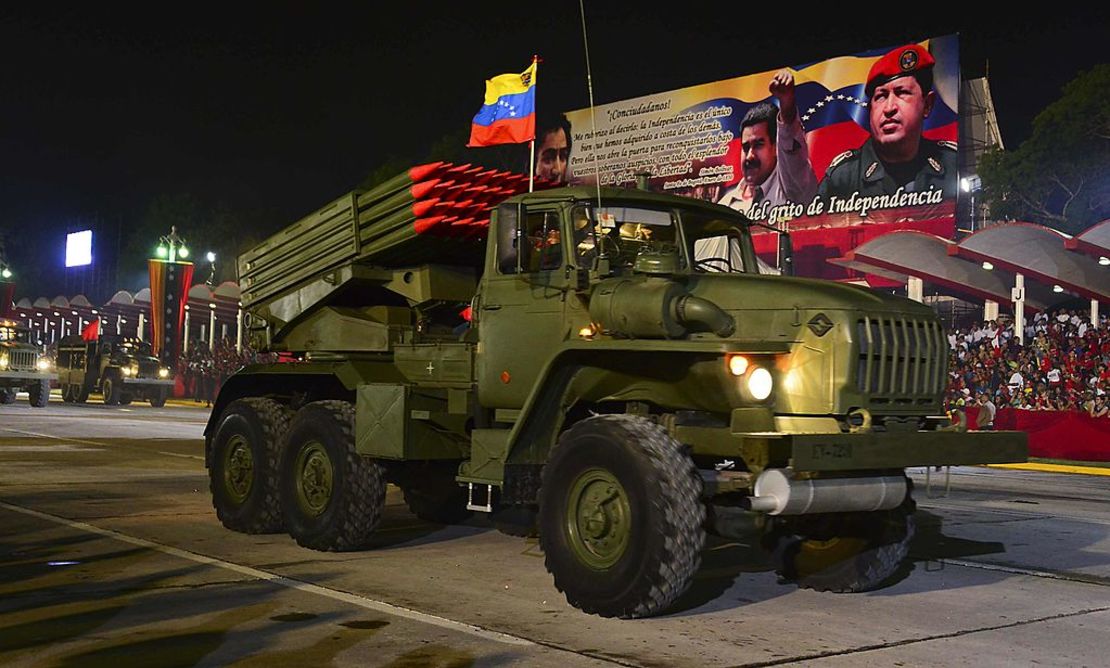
pixel 283 581
pixel 61 447
pixel 1017 570
pixel 102 444
pixel 1054 468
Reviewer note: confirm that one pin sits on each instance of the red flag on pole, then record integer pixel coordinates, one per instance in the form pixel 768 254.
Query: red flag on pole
pixel 91 331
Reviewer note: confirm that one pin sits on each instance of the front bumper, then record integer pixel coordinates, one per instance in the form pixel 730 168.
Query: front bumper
pixel 28 376
pixel 148 382
pixel 860 451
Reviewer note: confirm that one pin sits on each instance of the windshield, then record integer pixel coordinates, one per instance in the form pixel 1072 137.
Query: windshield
pixel 12 334
pixel 134 348
pixel 715 242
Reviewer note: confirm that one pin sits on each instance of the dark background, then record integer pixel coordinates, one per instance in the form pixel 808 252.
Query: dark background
pixel 266 112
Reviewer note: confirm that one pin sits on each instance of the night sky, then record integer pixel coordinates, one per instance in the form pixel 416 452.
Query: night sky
pixel 273 111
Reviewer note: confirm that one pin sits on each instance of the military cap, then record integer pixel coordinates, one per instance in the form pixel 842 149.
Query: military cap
pixel 903 61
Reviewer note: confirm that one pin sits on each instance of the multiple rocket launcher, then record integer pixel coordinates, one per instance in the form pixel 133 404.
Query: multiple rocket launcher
pixel 436 213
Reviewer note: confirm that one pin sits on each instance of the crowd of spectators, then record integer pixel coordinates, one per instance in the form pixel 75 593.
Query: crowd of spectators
pixel 203 370
pixel 1064 364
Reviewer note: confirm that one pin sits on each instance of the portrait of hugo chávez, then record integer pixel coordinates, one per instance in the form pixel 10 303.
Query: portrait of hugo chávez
pixel 900 96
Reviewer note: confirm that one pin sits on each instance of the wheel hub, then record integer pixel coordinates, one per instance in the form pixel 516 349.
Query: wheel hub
pixel 314 479
pixel 598 518
pixel 238 468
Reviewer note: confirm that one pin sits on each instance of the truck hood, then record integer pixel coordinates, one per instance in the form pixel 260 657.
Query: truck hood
pixel 747 292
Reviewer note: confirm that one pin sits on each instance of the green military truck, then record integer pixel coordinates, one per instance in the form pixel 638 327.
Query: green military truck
pixel 23 366
pixel 120 368
pixel 609 382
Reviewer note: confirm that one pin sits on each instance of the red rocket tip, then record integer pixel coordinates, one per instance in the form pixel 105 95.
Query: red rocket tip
pixel 421 172
pixel 420 208
pixel 421 189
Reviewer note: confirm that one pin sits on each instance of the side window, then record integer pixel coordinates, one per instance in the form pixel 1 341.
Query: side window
pixel 540 248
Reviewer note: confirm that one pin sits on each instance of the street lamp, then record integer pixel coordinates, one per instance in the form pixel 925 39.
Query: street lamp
pixel 172 246
pixel 211 257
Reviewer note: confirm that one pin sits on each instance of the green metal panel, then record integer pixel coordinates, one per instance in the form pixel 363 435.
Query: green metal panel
pixel 394 421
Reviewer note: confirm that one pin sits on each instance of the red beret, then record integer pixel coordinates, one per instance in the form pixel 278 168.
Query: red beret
pixel 900 62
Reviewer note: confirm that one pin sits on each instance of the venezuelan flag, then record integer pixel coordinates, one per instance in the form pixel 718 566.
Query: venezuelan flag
pixel 509 113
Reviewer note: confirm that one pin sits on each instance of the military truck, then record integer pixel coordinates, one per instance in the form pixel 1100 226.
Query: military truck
pixel 121 368
pixel 23 365
pixel 611 381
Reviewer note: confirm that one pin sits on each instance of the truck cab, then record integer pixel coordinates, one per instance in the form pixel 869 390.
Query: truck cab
pixel 23 365
pixel 122 369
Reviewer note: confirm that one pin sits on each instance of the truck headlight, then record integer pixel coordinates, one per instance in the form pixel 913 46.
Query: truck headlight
pixel 44 364
pixel 760 383
pixel 126 370
pixel 4 361
pixel 163 372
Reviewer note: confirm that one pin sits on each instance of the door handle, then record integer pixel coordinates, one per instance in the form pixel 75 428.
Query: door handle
pixel 491 307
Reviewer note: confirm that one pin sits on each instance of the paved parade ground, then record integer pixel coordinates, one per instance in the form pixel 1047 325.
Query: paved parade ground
pixel 111 555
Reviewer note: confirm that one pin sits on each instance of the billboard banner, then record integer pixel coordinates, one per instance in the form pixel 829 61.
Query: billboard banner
pixel 869 137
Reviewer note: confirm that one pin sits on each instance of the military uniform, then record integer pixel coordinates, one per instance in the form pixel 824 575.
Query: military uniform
pixel 860 170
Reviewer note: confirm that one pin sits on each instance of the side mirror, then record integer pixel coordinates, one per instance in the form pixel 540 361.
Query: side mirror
pixel 786 254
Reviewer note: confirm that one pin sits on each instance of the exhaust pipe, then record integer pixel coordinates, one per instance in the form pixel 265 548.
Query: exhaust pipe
pixel 777 492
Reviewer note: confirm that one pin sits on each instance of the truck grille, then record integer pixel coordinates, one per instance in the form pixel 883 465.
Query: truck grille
pixel 23 360
pixel 901 358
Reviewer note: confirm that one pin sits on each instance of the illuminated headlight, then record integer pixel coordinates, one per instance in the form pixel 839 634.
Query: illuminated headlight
pixel 44 364
pixel 126 371
pixel 163 372
pixel 3 361
pixel 760 383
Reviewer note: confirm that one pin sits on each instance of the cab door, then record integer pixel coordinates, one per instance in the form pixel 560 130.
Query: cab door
pixel 521 305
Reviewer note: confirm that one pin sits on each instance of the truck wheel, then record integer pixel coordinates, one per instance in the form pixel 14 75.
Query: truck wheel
pixel 332 497
pixel 621 520
pixel 125 399
pixel 38 394
pixel 112 390
pixel 80 394
pixel 243 475
pixel 844 552
pixel 67 394
pixel 7 395
pixel 158 398
pixel 432 494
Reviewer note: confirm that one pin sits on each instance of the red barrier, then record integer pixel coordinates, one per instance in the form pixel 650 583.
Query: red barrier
pixel 1056 434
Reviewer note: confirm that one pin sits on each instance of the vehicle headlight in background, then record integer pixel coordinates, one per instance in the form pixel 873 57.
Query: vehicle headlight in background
pixel 4 361
pixel 760 383
pixel 135 370
pixel 163 372
pixel 45 364
pixel 126 370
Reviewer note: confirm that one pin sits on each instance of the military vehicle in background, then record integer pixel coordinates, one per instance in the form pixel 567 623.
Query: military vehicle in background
pixel 23 365
pixel 572 355
pixel 121 369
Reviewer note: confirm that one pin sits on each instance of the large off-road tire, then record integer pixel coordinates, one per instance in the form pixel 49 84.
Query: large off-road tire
pixel 38 394
pixel 331 496
pixel 621 519
pixel 243 475
pixel 844 552
pixel 80 394
pixel 158 397
pixel 7 395
pixel 432 494
pixel 67 393
pixel 112 389
pixel 125 399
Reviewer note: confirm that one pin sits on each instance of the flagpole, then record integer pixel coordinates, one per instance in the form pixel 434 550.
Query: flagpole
pixel 590 87
pixel 532 144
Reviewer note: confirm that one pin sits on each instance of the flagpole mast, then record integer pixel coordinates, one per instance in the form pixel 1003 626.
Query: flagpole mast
pixel 532 144
pixel 590 87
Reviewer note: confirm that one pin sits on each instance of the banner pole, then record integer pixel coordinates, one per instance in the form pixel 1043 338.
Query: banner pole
pixel 532 144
